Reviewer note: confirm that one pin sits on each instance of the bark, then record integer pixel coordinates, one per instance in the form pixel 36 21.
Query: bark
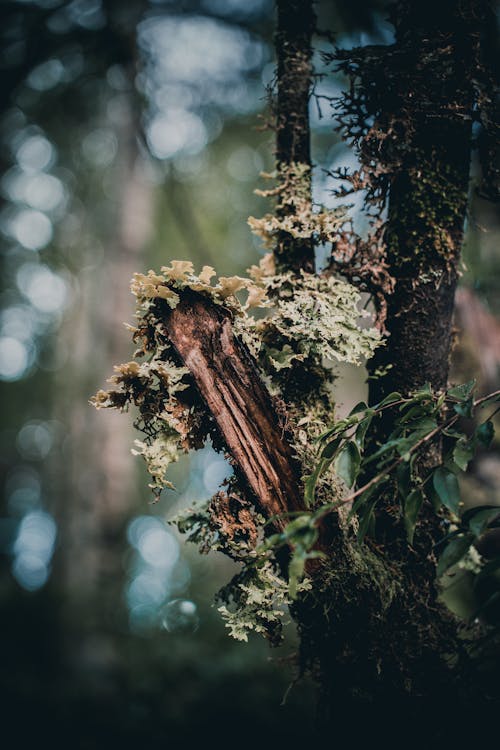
pixel 428 195
pixel 413 103
pixel 392 665
pixel 295 26
pixel 239 402
pixel 428 199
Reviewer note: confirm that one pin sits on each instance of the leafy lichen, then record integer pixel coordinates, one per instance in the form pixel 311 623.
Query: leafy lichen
pixel 295 215
pixel 257 601
pixel 309 323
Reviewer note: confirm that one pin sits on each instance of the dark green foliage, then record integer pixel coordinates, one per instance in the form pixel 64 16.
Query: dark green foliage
pixel 419 420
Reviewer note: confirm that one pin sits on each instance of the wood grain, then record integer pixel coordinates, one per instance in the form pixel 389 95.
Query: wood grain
pixel 228 381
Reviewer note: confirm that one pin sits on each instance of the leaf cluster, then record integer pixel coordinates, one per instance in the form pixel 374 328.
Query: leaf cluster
pixel 420 419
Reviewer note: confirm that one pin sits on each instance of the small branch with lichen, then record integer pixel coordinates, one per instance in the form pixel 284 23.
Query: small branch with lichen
pixel 256 387
pixel 239 402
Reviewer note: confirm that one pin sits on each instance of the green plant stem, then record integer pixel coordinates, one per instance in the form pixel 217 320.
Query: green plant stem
pixel 385 472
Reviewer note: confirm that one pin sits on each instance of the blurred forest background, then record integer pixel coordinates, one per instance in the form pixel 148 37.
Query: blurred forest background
pixel 131 134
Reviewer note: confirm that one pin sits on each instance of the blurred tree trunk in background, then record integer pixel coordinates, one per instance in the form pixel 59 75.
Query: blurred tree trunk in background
pixel 99 483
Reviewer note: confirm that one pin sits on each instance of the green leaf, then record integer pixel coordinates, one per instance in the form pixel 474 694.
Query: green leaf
pixel 412 506
pixel 331 448
pixel 390 446
pixel 450 432
pixel 361 406
pixel 433 497
pixel 403 478
pixel 303 521
pixel 347 463
pixel 361 500
pixel 361 430
pixel 366 518
pixel 295 572
pixel 471 512
pixel 413 413
pixel 485 433
pixel 463 453
pixel 311 481
pixel 462 392
pixel 453 552
pixel 446 485
pixel 422 426
pixel 480 520
pixel 339 426
pixel 395 396
pixel 424 392
pixel 464 408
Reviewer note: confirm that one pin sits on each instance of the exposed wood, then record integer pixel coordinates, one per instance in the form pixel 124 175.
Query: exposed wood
pixel 241 405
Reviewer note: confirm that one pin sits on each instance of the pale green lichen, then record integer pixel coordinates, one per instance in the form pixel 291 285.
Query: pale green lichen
pixel 309 322
pixel 295 214
pixel 472 561
pixel 156 388
pixel 316 316
pixel 258 596
pixel 162 451
pixel 226 523
pixel 260 601
pixel 180 275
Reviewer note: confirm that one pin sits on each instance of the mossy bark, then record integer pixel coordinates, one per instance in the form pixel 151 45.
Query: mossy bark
pixel 397 662
pixel 295 26
pixel 428 197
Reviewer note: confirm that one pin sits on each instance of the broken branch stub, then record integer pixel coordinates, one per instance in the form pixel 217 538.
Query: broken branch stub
pixel 228 381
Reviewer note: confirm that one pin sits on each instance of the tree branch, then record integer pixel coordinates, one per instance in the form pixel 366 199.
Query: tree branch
pixel 295 26
pixel 228 381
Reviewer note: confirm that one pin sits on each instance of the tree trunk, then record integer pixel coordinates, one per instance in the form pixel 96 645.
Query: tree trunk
pixel 394 667
pixel 438 51
pixel 95 505
pixel 428 199
pixel 296 22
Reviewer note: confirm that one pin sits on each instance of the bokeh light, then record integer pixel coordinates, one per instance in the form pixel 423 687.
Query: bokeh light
pixel 32 229
pixel 35 153
pixel 180 616
pixel 15 358
pixel 33 549
pixel 46 290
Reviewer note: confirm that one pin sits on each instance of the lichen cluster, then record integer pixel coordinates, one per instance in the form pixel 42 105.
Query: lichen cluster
pixel 408 119
pixel 310 322
pixel 294 213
